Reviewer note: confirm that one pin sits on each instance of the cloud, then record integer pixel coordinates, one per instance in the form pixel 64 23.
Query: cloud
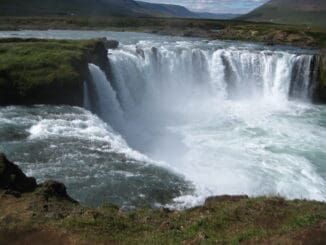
pixel 216 6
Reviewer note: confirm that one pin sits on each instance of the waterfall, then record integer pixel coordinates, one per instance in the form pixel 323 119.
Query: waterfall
pixel 169 83
pixel 230 119
pixel 150 82
pixel 104 102
pixel 177 73
pixel 86 102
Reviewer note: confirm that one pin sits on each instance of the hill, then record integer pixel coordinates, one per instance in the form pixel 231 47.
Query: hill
pixel 99 8
pixel 309 12
pixel 69 8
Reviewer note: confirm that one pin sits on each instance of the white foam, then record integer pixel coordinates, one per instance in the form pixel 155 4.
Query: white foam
pixel 177 110
pixel 85 126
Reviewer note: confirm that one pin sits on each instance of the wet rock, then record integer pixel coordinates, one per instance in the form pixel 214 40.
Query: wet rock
pixel 140 52
pixel 110 44
pixel 319 90
pixel 50 189
pixel 13 179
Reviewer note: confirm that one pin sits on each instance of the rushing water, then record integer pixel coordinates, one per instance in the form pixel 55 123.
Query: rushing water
pixel 179 120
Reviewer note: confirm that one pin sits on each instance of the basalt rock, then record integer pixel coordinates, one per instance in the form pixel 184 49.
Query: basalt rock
pixel 54 189
pixel 319 90
pixel 13 179
pixel 110 44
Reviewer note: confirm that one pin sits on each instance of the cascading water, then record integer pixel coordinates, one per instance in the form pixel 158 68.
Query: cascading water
pixel 216 115
pixel 210 118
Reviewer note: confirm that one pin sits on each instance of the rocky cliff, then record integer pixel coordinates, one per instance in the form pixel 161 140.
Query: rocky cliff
pixel 47 71
pixel 320 89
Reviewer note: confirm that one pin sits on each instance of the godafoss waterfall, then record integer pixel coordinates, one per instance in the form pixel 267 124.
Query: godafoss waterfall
pixel 175 120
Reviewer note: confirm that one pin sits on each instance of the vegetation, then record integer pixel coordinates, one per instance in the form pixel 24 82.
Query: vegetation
pixel 307 36
pixel 38 68
pixel 308 12
pixel 46 214
pixel 27 64
pixel 223 222
pixel 91 8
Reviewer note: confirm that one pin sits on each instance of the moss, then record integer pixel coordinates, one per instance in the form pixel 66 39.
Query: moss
pixel 225 222
pixel 43 71
pixel 312 36
pixel 27 65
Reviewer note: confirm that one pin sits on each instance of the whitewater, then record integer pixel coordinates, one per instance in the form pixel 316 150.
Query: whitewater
pixel 177 120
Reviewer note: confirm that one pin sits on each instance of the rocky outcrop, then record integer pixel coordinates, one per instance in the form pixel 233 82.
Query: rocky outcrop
pixel 50 189
pixel 13 179
pixel 34 71
pixel 319 93
pixel 14 182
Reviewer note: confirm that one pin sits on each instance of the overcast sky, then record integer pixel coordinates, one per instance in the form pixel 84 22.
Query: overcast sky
pixel 215 6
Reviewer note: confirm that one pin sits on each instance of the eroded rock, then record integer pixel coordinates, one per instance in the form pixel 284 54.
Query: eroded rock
pixel 12 178
pixel 55 189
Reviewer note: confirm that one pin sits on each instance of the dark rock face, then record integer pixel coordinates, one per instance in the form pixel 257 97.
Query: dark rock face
pixel 319 93
pixel 99 55
pixel 110 44
pixel 54 189
pixel 50 94
pixel 15 182
pixel 12 178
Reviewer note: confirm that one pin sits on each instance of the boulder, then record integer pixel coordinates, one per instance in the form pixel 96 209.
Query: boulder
pixel 12 178
pixel 110 44
pixel 50 189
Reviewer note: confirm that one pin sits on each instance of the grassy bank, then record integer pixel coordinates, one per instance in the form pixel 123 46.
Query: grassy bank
pixel 40 214
pixel 35 218
pixel 43 70
pixel 299 35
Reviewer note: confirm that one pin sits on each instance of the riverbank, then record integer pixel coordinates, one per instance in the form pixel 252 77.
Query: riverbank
pixel 34 71
pixel 45 213
pixel 312 37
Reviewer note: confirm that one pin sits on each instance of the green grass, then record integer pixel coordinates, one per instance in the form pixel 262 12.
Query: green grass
pixel 225 222
pixel 313 36
pixel 28 64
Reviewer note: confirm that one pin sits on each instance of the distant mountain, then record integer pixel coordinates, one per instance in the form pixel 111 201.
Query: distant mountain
pixel 98 8
pixel 310 12
pixel 220 16
pixel 68 7
pixel 167 10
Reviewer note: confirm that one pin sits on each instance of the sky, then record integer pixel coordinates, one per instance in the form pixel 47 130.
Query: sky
pixel 216 6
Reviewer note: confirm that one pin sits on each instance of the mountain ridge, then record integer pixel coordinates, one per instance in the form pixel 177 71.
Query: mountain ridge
pixel 309 12
pixel 100 8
